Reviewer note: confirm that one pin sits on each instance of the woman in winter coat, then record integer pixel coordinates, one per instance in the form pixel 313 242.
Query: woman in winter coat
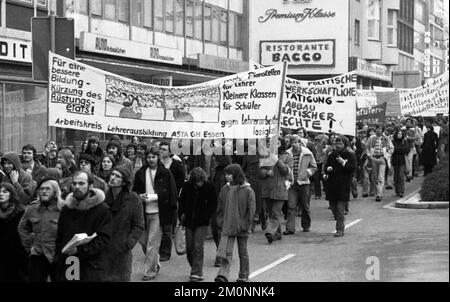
pixel 197 204
pixel 235 212
pixel 275 172
pixel 127 226
pixel 398 161
pixel 429 150
pixel 13 257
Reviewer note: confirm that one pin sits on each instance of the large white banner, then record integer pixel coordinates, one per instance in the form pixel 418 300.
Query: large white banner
pixel 244 105
pixel 427 100
pixel 322 105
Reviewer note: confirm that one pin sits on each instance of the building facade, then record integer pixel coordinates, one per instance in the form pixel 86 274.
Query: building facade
pixel 164 42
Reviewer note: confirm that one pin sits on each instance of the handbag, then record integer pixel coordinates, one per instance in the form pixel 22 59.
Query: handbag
pixel 179 240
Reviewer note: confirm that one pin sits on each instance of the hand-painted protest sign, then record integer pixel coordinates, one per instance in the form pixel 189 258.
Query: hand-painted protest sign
pixel 427 100
pixel 322 105
pixel 366 98
pixel 245 105
pixel 375 115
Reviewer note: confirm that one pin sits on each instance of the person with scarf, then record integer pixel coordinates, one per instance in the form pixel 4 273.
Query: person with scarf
pixel 235 211
pixel 13 257
pixel 127 226
pixel 38 228
pixel 339 169
pixel 398 161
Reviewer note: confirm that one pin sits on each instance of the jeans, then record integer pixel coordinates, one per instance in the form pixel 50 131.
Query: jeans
pixel 378 168
pixel 244 262
pixel 165 250
pixel 409 162
pixel 273 207
pixel 150 242
pixel 338 209
pixel 399 179
pixel 354 186
pixel 368 182
pixel 298 195
pixel 195 240
pixel 40 269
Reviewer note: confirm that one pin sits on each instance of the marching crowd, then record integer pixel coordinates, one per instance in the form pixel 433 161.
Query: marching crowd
pixel 138 194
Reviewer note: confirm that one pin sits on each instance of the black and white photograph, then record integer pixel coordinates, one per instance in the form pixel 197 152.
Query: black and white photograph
pixel 212 148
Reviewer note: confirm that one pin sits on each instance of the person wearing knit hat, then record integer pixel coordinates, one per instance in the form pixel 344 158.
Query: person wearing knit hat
pixel 114 148
pixel 127 225
pixel 14 174
pixel 87 164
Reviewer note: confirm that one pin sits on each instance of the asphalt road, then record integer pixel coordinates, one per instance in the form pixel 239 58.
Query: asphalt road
pixel 382 244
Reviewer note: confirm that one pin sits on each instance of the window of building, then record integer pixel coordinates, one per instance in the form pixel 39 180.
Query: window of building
pixel 124 11
pixel 357 32
pixel 392 28
pixel 96 8
pixel 419 9
pixel 223 27
pixel 190 5
pixel 159 15
pixel 110 9
pixel 169 16
pixel 436 66
pixel 207 23
pixel 136 12
pixel 239 25
pixel 215 23
pixel 179 17
pixel 147 8
pixel 198 19
pixel 232 30
pixel 373 19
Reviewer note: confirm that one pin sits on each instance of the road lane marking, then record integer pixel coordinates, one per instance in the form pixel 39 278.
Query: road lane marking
pixel 350 224
pixel 392 204
pixel 268 267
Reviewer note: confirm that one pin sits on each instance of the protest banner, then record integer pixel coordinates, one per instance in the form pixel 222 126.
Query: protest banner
pixel 244 105
pixel 365 98
pixel 322 105
pixel 375 115
pixel 427 100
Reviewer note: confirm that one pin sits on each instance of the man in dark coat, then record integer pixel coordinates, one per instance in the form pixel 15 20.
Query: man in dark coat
pixel 339 168
pixel 158 192
pixel 429 150
pixel 30 164
pixel 15 175
pixel 127 225
pixel 84 212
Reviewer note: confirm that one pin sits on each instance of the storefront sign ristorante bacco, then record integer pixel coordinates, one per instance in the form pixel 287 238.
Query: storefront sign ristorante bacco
pixel 299 53
pixel 307 13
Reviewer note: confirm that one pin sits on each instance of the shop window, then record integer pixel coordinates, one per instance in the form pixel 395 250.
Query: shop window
pixel 148 13
pixel 169 16
pixel 373 19
pixel 223 27
pixel 179 17
pixel 159 15
pixel 124 11
pixel 392 28
pixel 110 9
pixel 24 116
pixel 198 20
pixel 190 18
pixel 207 23
pixel 215 23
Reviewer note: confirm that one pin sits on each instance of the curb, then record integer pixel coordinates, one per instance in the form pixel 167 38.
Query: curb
pixel 413 202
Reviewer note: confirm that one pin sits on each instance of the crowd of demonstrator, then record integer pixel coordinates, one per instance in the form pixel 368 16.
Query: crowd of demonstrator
pixel 138 193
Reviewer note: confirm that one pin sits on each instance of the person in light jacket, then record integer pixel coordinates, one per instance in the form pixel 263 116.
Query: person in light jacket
pixel 235 211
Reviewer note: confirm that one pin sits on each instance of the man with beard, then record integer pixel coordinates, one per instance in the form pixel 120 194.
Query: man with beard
pixel 114 148
pixel 84 212
pixel 29 164
pixel 37 230
pixel 339 168
pixel 15 175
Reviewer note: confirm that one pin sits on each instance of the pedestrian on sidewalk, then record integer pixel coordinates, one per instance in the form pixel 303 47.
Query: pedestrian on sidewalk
pixel 339 168
pixel 429 149
pixel 197 204
pixel 235 212
pixel 398 161
pixel 378 145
